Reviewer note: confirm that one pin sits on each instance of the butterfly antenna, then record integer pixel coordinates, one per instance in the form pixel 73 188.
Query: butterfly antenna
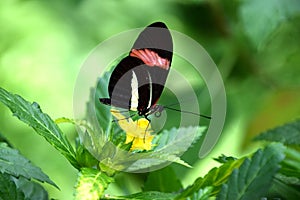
pixel 189 112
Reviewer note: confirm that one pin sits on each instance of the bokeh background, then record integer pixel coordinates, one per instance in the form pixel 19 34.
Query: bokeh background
pixel 254 43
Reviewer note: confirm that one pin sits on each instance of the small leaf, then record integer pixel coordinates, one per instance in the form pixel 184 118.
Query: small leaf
pixel 91 184
pixel 13 163
pixel 8 189
pixel 288 134
pixel 202 194
pixel 282 190
pixel 32 190
pixel 215 178
pixel 290 165
pixel 178 140
pixel 163 180
pixel 32 115
pixel 146 196
pixel 253 179
pixel 224 159
pixel 84 157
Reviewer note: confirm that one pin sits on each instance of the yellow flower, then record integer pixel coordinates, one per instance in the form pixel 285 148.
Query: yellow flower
pixel 138 132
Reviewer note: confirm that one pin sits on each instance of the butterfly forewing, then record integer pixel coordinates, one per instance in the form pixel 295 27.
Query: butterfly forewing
pixel 138 80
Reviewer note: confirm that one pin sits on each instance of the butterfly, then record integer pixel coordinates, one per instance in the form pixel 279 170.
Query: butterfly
pixel 138 80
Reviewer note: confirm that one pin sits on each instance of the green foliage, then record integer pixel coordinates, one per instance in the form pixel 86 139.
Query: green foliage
pixel 98 110
pixel 31 190
pixel 84 157
pixel 290 165
pixel 281 189
pixel 91 184
pixel 202 194
pixel 164 180
pixel 16 174
pixel 253 42
pixel 8 189
pixel 253 178
pixel 147 196
pixel 13 163
pixel 288 134
pixel 271 14
pixel 32 115
pixel 224 159
pixel 214 178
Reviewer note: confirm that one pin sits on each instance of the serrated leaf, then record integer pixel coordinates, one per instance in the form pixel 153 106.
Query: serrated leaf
pixel 8 189
pixel 31 190
pixel 163 180
pixel 253 179
pixel 287 179
pixel 13 163
pixel 282 190
pixel 288 134
pixel 215 178
pixel 91 184
pixel 32 115
pixel 119 159
pixel 177 140
pixel 290 166
pixel 271 13
pixel 202 194
pixel 146 196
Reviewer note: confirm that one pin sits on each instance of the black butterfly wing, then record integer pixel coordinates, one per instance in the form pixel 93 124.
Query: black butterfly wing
pixel 154 47
pixel 120 87
pixel 138 80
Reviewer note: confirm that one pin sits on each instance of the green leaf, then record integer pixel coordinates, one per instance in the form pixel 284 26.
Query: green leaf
pixel 163 180
pixel 13 163
pixel 215 178
pixel 202 194
pixel 8 189
pixel 98 113
pixel 32 115
pixel 253 179
pixel 100 119
pixel 32 190
pixel 291 163
pixel 177 140
pixel 288 180
pixel 271 13
pixel 282 190
pixel 119 159
pixel 224 159
pixel 146 196
pixel 91 184
pixel 84 157
pixel 288 134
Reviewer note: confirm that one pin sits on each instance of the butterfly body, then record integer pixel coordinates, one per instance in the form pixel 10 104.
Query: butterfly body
pixel 138 80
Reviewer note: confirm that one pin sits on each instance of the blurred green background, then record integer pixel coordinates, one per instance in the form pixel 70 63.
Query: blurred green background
pixel 254 43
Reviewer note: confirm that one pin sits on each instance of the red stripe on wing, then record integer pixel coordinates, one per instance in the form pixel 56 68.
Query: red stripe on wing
pixel 150 58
